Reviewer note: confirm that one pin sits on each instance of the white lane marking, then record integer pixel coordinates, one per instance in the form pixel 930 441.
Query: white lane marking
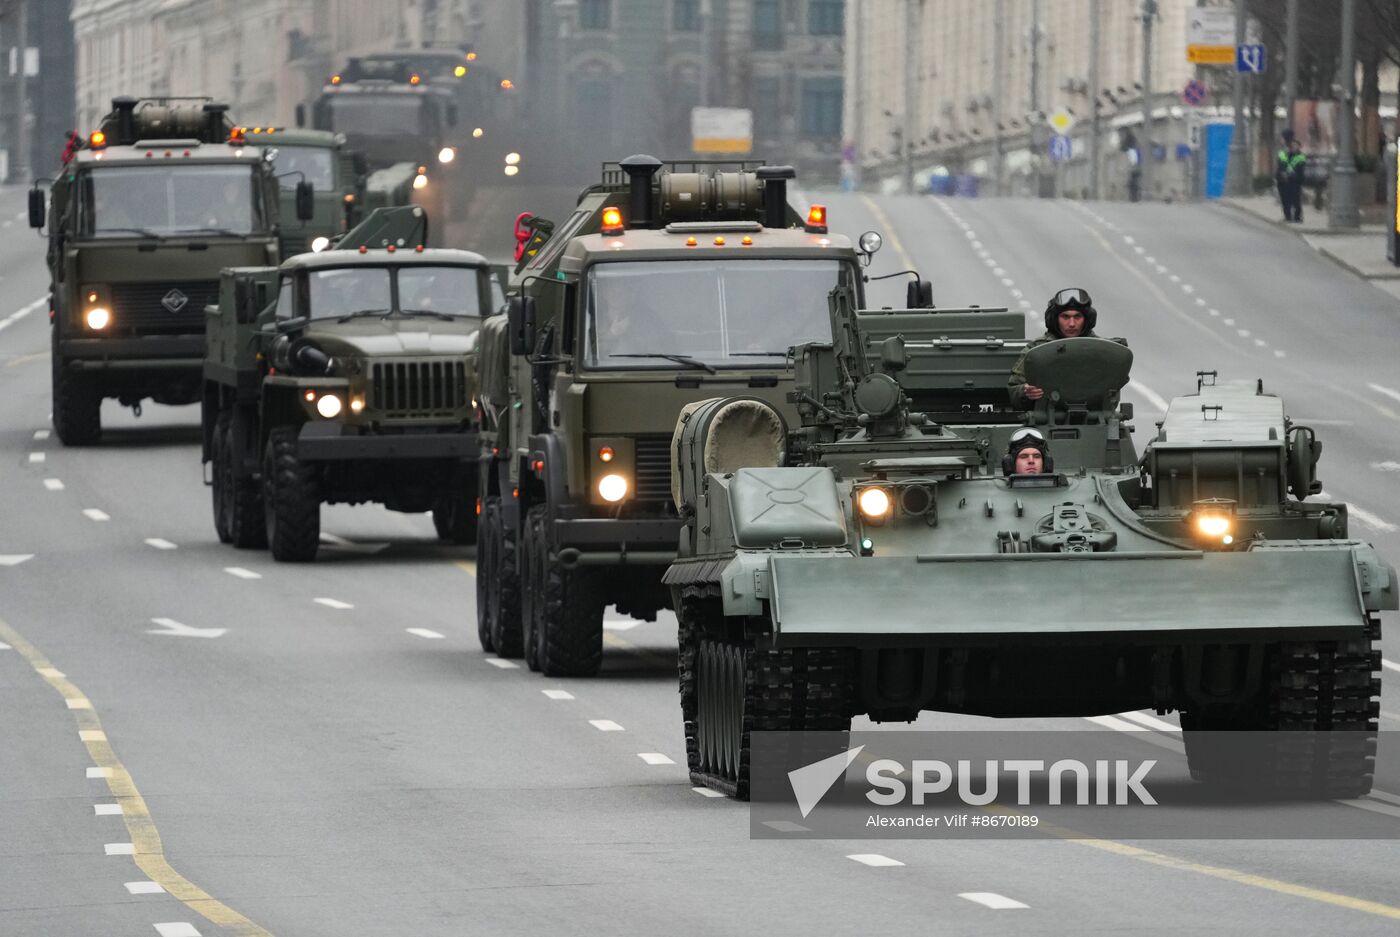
pixel 1385 796
pixel 1017 294
pixel 177 929
pixel 77 702
pixel 874 859
pixel 1187 288
pixel 655 758
pixel 242 573
pixel 92 735
pixel 558 694
pixel 144 888
pixel 1243 333
pixel 1364 516
pixel 333 603
pixel 1174 278
pixel 172 627
pixel 605 725
pixel 1200 301
pixel 1113 722
pixel 1160 268
pixel 53 484
pixel 625 625
pixel 990 899
pixel 1153 260
pixel 5 647
pixel 1390 392
pixel 1214 312
pixel 1387 466
pixel 1154 398
pixel 1372 806
pixel 1391 665
pixel 96 514
pixel 706 792
pixel 1260 343
pixel 119 849
pixel 338 541
pixel 1139 249
pixel 94 773
pixel 14 559
pixel 107 810
pixel 1152 722
pixel 1007 282
pixel 159 543
pixel 502 664
pixel 36 457
pixel 14 317
pixel 786 826
pixel 424 633
pixel 998 271
pixel 41 434
pixel 1228 321
pixel 1128 240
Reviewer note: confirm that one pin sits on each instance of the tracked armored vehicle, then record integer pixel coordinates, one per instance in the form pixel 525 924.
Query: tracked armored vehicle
pixel 874 558
pixel 668 283
pixel 345 376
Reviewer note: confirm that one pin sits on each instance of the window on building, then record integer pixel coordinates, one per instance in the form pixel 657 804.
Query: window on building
pixel 767 24
pixel 594 14
pixel 685 16
pixel 767 107
pixel 821 108
pixel 826 17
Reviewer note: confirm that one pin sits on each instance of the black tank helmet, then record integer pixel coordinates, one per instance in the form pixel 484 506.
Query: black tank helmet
pixel 1026 438
pixel 1070 298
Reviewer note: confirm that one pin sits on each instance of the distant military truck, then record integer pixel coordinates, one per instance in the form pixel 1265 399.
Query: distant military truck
pixel 345 376
pixel 668 284
pixel 145 213
pixel 337 175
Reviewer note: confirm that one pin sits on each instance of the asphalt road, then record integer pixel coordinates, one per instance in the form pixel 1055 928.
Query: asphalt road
pixel 341 758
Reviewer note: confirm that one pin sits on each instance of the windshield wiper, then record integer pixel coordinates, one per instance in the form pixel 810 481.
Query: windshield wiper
pixel 447 316
pixel 758 354
pixel 678 359
pixel 226 232
pixel 361 313
pixel 144 232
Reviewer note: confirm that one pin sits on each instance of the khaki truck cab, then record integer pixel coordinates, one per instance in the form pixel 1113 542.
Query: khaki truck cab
pixel 669 284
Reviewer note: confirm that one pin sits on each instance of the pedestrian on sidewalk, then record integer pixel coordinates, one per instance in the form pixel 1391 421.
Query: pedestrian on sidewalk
pixel 1291 166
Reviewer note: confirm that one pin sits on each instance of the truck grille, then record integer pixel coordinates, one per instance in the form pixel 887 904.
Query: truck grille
pixel 418 389
pixel 653 468
pixel 163 308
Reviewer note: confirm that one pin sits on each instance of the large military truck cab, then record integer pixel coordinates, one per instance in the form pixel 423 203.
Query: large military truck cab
pixel 345 376
pixel 336 174
pixel 669 284
pixel 144 213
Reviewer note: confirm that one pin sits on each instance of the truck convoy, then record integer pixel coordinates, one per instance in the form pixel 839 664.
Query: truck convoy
pixel 881 556
pixel 337 176
pixel 144 214
pixel 344 376
pixel 670 282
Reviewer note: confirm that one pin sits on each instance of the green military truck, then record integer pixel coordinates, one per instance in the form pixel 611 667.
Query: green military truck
pixel 337 175
pixel 669 283
pixel 144 214
pixel 345 376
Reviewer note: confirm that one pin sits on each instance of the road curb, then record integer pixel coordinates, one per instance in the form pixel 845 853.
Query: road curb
pixel 1304 237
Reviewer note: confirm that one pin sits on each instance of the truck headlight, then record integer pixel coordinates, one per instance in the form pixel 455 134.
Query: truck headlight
pixel 612 488
pixel 1212 520
pixel 874 503
pixel 98 318
pixel 420 181
pixel 446 155
pixel 320 244
pixel 329 405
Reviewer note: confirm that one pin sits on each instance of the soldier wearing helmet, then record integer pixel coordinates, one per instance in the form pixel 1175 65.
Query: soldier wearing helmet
pixel 1028 454
pixel 1069 314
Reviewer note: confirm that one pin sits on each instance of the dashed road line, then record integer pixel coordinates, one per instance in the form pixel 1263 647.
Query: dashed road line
pixel 426 633
pixel 160 543
pixel 558 694
pixel 1390 665
pixel 333 603
pixel 14 559
pixel 93 773
pixel 655 758
pixel 786 826
pixel 119 849
pixel 42 434
pixel 242 573
pixel 1390 392
pixel 502 664
pixel 36 458
pixel 1151 722
pixel 107 810
pixel 177 929
pixel 144 888
pixel 875 860
pixel 96 514
pixel 53 484
pixel 89 735
pixel 605 725
pixel 990 899
pixel 706 792
pixel 1154 398
pixel 15 316
pixel 1372 521
pixel 77 702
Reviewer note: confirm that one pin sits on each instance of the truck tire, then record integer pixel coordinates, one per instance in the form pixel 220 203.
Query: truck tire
pixel 1311 734
pixel 77 406
pixel 219 490
pixel 497 583
pixel 291 498
pixel 567 612
pixel 455 520
pixel 247 525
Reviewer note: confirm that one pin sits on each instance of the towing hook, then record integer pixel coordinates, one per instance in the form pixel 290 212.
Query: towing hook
pixel 136 409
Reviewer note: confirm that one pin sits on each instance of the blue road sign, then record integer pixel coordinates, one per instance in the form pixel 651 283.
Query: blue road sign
pixel 1251 58
pixel 1060 147
pixel 1195 93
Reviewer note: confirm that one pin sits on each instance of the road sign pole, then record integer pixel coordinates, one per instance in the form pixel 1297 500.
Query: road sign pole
pixel 1095 11
pixel 1238 176
pixel 1149 10
pixel 1342 211
pixel 1290 75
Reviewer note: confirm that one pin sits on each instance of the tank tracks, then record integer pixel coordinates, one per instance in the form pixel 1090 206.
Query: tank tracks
pixel 729 688
pixel 1316 736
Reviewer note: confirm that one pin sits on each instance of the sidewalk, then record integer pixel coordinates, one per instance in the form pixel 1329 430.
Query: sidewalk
pixel 1360 250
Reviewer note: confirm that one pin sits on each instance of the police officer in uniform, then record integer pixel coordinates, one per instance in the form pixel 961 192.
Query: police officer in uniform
pixel 1288 172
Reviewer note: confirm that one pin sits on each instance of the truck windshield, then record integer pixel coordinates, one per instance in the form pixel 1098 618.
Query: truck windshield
pixel 717 314
pixel 315 163
pixel 165 200
pixel 411 291
pixel 380 114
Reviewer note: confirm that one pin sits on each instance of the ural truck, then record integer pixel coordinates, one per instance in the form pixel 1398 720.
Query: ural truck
pixel 144 214
pixel 344 376
pixel 882 557
pixel 337 176
pixel 668 283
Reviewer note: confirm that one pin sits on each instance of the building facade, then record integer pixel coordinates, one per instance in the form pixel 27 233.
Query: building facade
pixel 36 100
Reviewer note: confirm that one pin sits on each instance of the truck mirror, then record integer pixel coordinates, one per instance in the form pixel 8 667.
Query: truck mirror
pixel 919 295
pixel 37 214
pixel 360 162
pixel 306 201
pixel 893 357
pixel 521 313
pixel 301 115
pixel 1304 449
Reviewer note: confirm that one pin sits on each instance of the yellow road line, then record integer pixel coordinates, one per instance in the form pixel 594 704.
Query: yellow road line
pixel 889 233
pixel 149 854
pixel 25 359
pixel 468 565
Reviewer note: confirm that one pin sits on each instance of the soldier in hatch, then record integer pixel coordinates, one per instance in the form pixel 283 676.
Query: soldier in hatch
pixel 1069 314
pixel 1028 454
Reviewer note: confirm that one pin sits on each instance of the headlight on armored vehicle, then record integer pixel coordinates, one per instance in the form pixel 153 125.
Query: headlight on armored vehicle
pixel 874 503
pixel 329 406
pixel 612 488
pixel 97 318
pixel 1212 520
pixel 97 308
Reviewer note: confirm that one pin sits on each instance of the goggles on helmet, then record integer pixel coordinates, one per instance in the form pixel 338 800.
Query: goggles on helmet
pixel 1072 298
pixel 1025 436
